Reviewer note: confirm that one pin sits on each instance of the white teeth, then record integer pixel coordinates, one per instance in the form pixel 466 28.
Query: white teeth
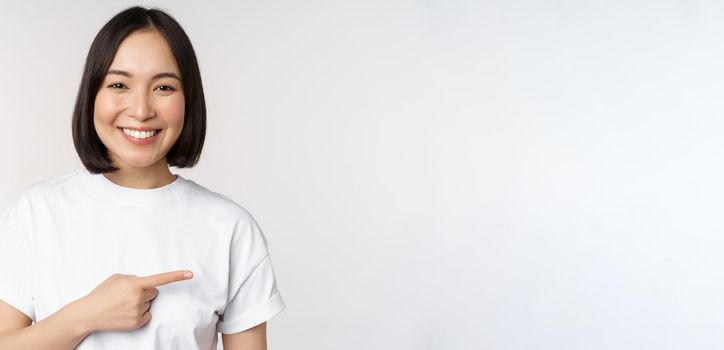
pixel 139 134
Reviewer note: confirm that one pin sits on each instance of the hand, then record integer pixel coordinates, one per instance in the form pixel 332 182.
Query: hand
pixel 123 302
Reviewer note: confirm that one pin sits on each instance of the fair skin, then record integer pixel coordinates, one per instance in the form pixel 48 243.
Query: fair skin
pixel 142 90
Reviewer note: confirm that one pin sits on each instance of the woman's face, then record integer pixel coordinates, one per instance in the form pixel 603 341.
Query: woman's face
pixel 141 91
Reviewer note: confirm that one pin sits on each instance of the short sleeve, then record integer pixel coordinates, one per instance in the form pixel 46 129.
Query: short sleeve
pixel 16 257
pixel 253 296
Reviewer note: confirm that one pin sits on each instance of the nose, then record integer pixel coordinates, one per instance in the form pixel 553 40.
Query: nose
pixel 141 107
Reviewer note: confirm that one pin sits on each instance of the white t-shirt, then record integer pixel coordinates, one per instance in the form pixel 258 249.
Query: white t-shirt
pixel 63 236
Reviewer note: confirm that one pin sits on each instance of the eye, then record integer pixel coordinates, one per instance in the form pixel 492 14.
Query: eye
pixel 116 86
pixel 166 88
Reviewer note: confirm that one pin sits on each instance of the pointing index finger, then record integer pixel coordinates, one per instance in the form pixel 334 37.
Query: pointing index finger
pixel 165 278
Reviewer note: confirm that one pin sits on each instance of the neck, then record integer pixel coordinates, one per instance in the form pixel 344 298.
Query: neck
pixel 152 176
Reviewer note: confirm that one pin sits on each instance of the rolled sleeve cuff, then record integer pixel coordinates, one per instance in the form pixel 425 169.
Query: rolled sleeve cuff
pixel 253 317
pixel 17 301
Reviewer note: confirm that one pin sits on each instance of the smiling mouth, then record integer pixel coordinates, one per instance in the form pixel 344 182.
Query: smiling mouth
pixel 133 134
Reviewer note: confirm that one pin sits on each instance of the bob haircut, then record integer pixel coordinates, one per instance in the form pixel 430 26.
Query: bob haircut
pixel 186 152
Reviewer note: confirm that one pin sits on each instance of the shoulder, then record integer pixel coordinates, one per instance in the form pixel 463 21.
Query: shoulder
pixel 242 227
pixel 41 188
pixel 217 202
pixel 48 185
pixel 18 214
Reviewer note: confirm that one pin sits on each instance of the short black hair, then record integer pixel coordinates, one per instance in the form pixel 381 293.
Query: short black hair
pixel 186 152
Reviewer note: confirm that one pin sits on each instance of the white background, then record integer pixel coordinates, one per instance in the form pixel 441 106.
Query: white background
pixel 439 174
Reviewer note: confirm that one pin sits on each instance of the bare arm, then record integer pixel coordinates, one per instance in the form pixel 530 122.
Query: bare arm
pixel 62 330
pixel 251 339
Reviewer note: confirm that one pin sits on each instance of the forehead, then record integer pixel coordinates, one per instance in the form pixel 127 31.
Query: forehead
pixel 144 53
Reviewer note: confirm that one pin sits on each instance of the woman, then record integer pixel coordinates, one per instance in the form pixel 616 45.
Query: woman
pixel 100 257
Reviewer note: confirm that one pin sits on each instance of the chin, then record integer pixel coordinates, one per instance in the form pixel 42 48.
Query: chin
pixel 139 164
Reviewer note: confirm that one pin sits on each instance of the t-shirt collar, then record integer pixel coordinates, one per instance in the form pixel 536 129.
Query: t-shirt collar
pixel 133 196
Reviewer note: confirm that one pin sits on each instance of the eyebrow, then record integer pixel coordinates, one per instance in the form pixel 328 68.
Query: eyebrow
pixel 157 76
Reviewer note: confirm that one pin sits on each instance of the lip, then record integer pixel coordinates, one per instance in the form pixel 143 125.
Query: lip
pixel 138 129
pixel 140 142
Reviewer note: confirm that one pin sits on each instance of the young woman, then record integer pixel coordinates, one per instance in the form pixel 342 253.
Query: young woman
pixel 122 253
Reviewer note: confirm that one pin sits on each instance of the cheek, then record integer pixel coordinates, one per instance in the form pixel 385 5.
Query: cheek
pixel 104 107
pixel 173 109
